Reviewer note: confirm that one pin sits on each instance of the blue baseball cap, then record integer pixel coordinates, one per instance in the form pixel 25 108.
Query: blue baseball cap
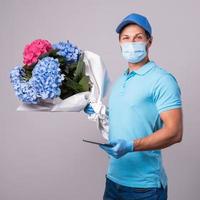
pixel 138 19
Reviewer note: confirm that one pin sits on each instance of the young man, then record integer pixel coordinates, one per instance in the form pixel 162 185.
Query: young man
pixel 145 116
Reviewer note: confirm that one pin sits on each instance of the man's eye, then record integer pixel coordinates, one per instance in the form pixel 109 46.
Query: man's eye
pixel 140 37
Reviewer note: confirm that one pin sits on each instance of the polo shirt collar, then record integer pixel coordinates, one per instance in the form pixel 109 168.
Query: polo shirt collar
pixel 142 70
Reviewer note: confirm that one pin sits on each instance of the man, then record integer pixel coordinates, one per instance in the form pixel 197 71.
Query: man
pixel 145 116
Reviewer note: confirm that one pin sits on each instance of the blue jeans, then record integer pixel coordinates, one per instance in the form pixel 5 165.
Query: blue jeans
pixel 114 191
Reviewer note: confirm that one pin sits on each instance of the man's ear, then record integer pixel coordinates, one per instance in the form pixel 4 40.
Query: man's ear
pixel 150 41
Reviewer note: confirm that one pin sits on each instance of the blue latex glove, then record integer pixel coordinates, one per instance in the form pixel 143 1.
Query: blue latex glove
pixel 88 109
pixel 120 148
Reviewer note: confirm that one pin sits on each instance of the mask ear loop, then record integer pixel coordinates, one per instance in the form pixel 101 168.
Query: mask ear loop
pixel 149 40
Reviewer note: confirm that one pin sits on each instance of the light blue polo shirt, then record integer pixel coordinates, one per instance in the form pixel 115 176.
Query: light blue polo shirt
pixel 135 103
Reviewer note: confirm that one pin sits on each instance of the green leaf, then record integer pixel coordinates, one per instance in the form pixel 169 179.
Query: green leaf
pixel 72 66
pixel 53 53
pixel 73 85
pixel 66 94
pixel 28 73
pixel 62 60
pixel 85 83
pixel 80 70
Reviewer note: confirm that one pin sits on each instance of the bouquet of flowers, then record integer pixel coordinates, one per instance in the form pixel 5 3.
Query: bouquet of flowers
pixel 61 77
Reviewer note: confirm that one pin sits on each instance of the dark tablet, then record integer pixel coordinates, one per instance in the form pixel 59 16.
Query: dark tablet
pixel 98 143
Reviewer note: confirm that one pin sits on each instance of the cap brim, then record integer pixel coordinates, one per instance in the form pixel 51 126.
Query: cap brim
pixel 124 23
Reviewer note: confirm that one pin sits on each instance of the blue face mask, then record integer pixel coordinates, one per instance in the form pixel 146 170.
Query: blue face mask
pixel 134 52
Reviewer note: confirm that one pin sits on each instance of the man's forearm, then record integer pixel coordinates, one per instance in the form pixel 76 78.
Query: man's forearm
pixel 160 139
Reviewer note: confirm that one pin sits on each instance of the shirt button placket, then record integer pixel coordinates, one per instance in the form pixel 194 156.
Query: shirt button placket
pixel 125 81
pixel 123 87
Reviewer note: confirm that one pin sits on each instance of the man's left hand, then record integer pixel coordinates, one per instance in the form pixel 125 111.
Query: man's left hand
pixel 120 148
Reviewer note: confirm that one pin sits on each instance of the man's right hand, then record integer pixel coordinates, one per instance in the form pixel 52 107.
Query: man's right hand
pixel 88 109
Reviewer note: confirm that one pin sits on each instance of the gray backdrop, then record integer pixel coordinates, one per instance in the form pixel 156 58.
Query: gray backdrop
pixel 42 156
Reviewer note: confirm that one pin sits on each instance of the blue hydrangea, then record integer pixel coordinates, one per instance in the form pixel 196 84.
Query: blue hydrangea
pixel 68 50
pixel 23 89
pixel 44 83
pixel 46 78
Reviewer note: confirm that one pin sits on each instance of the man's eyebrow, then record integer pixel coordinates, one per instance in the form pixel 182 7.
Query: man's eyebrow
pixel 134 35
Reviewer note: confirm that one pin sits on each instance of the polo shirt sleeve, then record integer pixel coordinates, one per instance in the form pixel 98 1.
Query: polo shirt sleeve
pixel 167 93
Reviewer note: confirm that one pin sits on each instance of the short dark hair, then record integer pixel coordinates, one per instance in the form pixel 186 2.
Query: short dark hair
pixel 146 32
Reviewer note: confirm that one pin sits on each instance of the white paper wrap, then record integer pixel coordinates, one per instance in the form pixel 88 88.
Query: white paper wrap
pixel 96 70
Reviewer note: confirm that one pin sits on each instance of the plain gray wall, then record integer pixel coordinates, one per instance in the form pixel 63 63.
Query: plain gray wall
pixel 42 156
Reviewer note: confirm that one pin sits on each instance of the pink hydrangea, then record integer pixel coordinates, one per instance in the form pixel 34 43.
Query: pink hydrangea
pixel 34 50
